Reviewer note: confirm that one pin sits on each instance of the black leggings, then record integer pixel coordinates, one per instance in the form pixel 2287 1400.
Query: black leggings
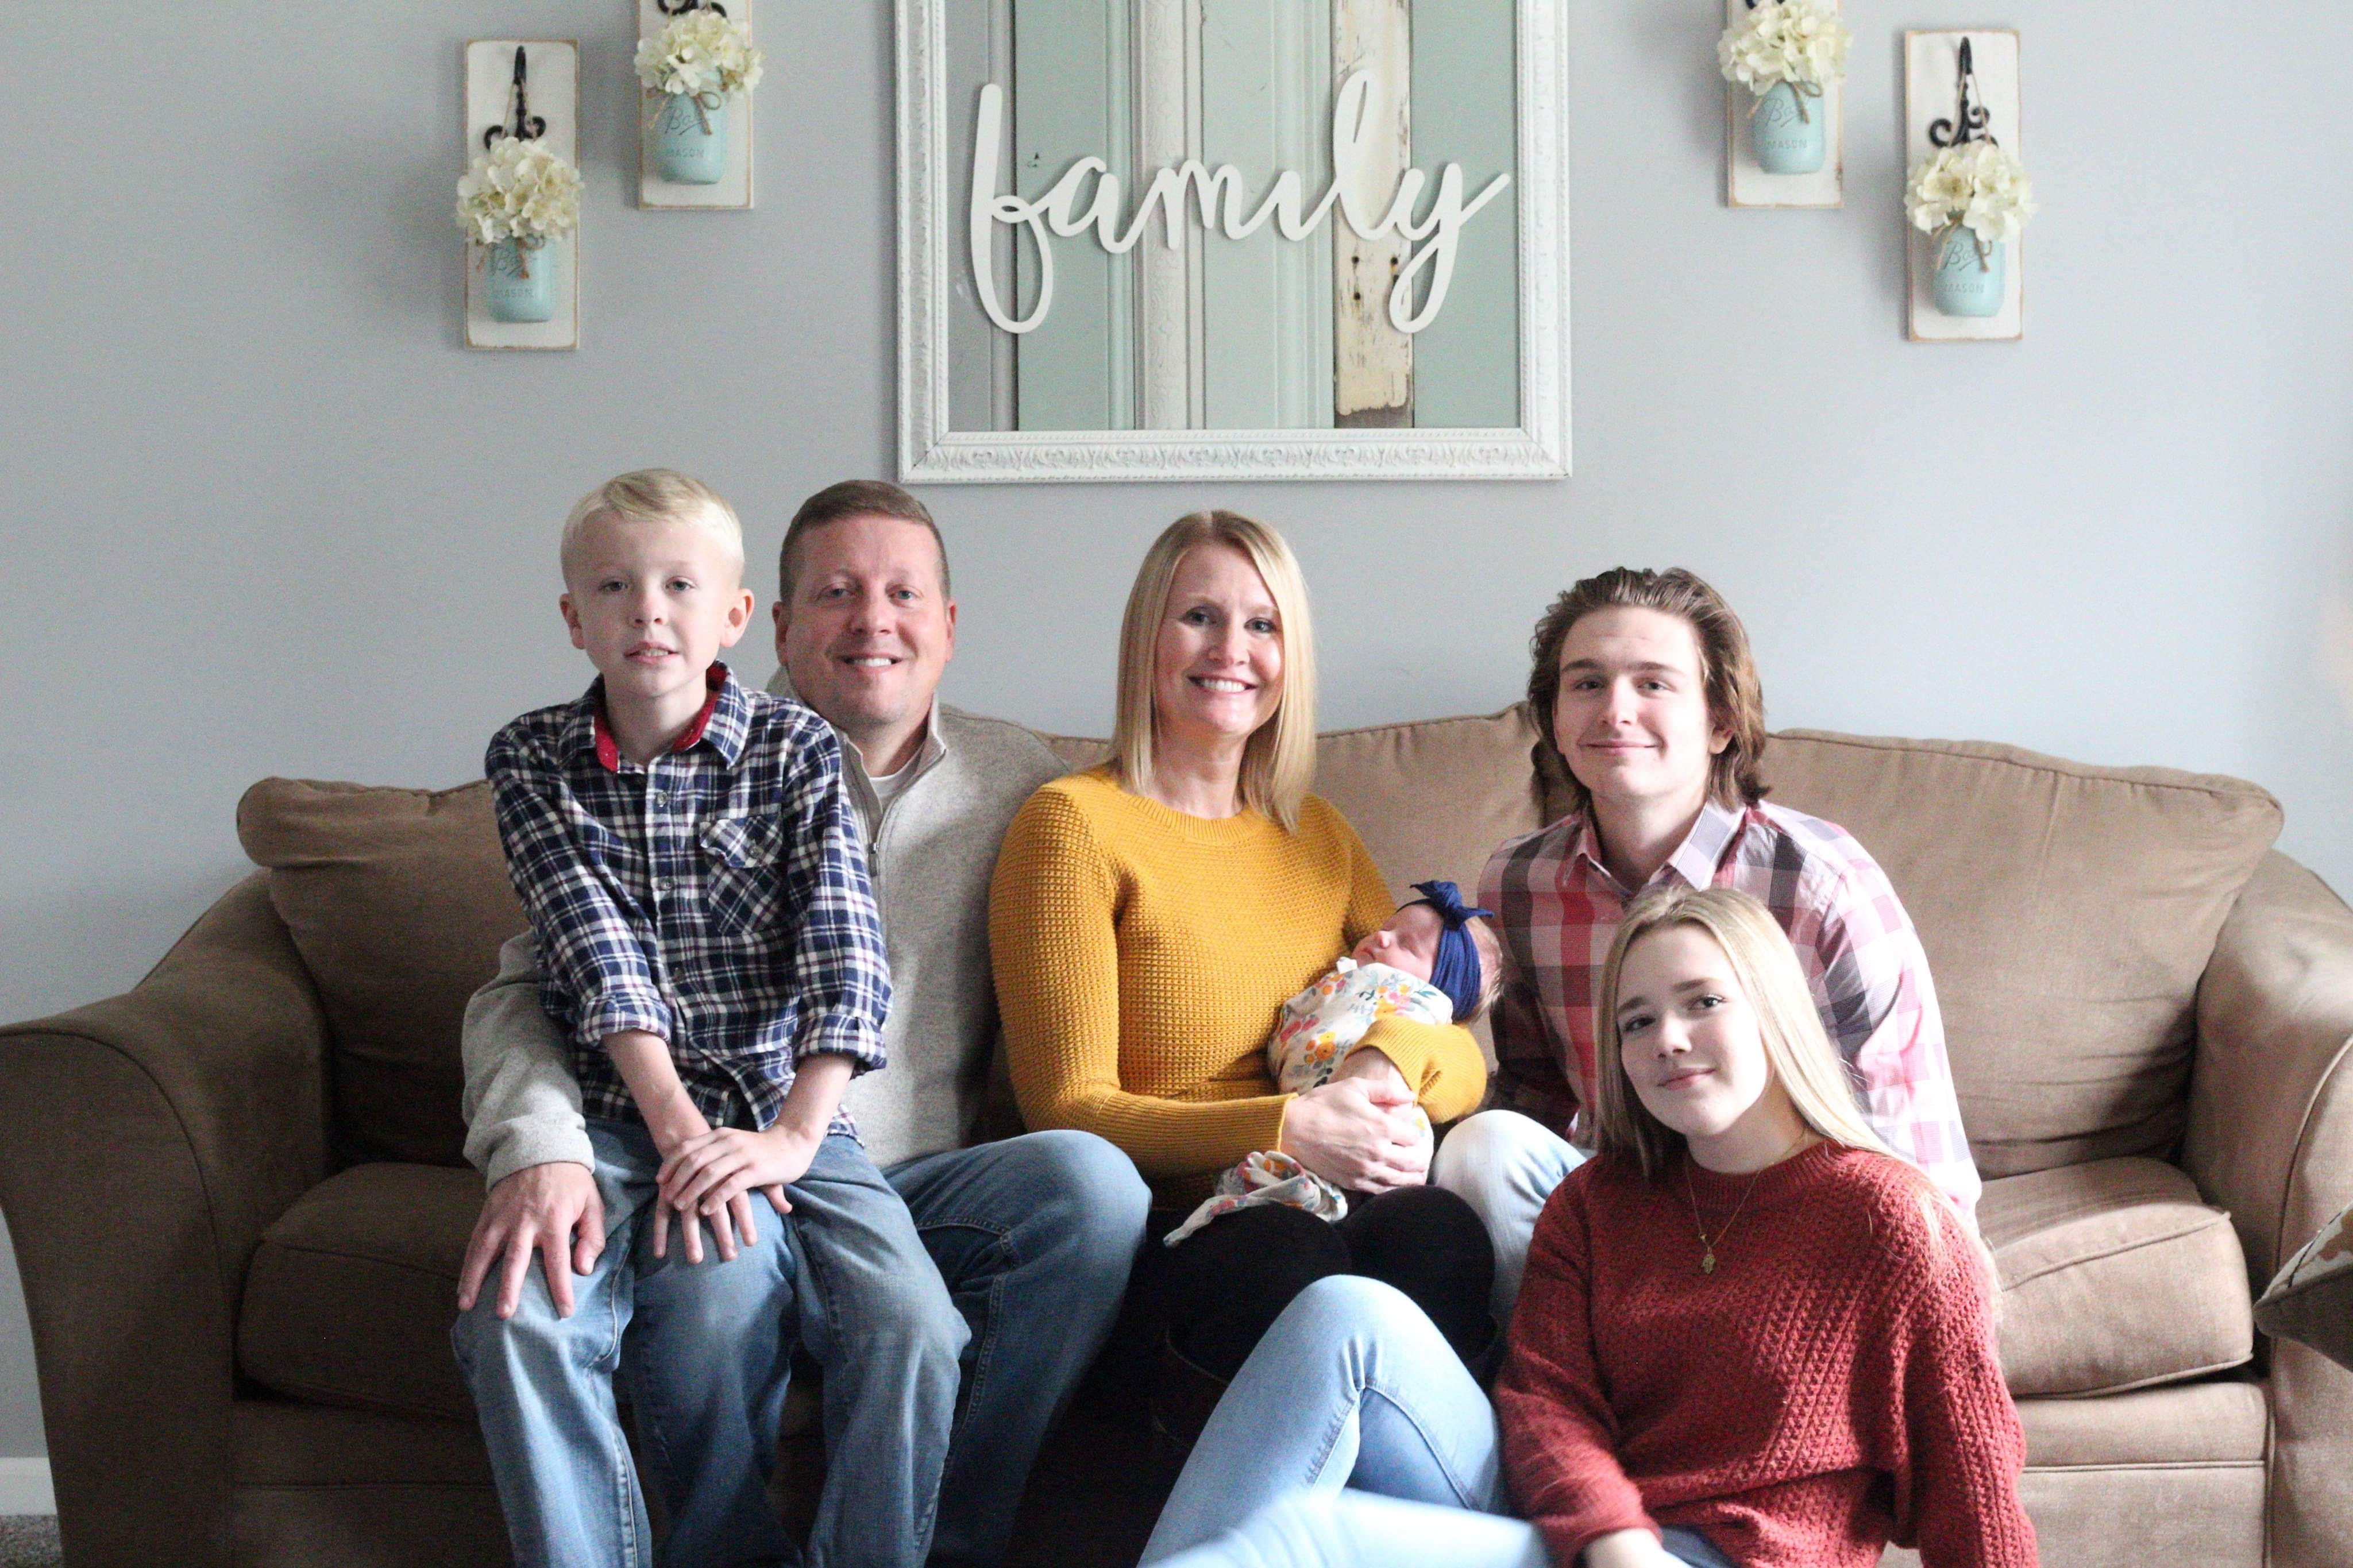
pixel 1222 1287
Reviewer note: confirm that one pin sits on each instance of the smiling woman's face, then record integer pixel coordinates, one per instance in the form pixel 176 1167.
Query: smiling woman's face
pixel 1217 657
pixel 1687 1034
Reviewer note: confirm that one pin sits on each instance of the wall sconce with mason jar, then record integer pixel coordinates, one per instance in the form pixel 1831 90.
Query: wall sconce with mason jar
pixel 1967 194
pixel 1785 107
pixel 518 201
pixel 698 65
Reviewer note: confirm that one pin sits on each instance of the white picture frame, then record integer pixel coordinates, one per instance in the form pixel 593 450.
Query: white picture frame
pixel 931 230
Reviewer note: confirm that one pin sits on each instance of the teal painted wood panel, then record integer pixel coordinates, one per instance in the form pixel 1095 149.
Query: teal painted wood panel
pixel 1075 370
pixel 980 361
pixel 1266 86
pixel 1466 363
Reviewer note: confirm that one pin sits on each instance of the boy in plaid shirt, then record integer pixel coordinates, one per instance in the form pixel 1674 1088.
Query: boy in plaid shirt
pixel 712 954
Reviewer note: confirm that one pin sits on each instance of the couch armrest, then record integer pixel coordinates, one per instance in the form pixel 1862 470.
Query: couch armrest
pixel 2271 1139
pixel 151 1137
pixel 2270 1099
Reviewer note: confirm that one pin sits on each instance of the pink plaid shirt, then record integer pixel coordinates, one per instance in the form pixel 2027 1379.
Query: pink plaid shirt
pixel 1558 909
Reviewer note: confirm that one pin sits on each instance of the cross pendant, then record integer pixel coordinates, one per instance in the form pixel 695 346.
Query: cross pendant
pixel 1708 1264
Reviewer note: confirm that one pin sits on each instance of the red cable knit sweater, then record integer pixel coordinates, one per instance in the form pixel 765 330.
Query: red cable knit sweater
pixel 1832 1385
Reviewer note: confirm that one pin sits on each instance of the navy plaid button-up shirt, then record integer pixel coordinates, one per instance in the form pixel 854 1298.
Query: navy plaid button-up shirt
pixel 717 897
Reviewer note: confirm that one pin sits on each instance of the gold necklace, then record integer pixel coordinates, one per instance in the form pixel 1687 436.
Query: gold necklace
pixel 1707 1248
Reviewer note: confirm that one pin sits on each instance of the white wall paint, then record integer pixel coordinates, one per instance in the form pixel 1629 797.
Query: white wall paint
pixel 263 515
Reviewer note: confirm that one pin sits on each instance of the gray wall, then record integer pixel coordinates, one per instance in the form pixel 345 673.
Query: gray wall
pixel 265 516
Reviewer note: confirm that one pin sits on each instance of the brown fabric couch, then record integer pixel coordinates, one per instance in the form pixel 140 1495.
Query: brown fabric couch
pixel 238 1206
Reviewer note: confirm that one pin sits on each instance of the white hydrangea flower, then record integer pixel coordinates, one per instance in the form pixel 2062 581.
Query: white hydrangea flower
pixel 518 190
pixel 1978 184
pixel 700 52
pixel 1797 41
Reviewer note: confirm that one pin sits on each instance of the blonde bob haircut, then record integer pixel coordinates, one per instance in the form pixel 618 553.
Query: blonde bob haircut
pixel 655 495
pixel 1279 760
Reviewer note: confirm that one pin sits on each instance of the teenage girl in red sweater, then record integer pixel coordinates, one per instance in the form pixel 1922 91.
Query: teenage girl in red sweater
pixel 1749 1336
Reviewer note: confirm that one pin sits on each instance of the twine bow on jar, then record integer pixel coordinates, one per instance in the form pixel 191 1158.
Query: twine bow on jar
pixel 705 103
pixel 1978 241
pixel 1800 92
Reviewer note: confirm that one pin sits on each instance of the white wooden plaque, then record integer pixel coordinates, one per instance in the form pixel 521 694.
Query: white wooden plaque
pixel 1747 185
pixel 733 189
pixel 1931 72
pixel 551 72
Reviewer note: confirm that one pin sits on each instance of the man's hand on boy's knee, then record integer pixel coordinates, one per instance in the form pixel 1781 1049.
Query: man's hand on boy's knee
pixel 551 1210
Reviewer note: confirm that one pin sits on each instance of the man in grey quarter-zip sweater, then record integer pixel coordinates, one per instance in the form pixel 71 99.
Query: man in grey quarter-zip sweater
pixel 1032 1235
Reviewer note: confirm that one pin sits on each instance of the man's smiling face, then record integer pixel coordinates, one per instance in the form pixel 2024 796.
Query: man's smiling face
pixel 870 627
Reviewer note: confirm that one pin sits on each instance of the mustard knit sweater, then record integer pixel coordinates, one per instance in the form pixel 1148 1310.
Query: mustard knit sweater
pixel 1142 954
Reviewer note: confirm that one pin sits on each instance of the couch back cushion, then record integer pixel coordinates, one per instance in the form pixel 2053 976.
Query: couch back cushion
pixel 2068 912
pixel 397 901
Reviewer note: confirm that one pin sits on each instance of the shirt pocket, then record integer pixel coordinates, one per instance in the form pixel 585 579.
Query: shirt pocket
pixel 742 873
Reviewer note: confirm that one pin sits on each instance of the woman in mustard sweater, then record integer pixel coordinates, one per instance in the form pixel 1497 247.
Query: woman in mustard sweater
pixel 1149 918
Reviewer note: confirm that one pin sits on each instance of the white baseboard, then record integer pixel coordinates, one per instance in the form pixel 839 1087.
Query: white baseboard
pixel 24 1487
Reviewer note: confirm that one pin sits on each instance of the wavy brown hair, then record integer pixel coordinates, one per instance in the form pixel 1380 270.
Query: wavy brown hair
pixel 1735 698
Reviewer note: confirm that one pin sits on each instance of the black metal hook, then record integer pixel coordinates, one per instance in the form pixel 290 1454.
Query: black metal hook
pixel 1969 120
pixel 527 127
pixel 683 6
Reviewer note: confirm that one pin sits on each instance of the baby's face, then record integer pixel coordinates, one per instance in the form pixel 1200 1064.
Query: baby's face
pixel 1409 941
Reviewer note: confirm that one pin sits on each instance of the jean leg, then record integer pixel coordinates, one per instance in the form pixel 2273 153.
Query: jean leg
pixel 1504 1165
pixel 709 1357
pixel 875 1314
pixel 1694 1549
pixel 1359 1530
pixel 1033 1237
pixel 544 1388
pixel 1353 1385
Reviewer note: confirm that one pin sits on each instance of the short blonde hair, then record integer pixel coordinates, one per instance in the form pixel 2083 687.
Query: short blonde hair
pixel 1797 1048
pixel 1279 760
pixel 655 495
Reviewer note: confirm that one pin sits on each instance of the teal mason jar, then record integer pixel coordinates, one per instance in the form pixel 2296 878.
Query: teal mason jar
pixel 519 280
pixel 689 140
pixel 1790 137
pixel 1968 283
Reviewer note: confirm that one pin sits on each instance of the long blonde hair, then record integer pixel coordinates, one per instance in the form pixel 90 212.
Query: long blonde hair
pixel 1797 1050
pixel 1279 758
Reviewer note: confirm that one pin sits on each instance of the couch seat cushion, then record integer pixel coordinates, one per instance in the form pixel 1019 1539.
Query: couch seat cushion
pixel 397 901
pixel 2114 1275
pixel 351 1295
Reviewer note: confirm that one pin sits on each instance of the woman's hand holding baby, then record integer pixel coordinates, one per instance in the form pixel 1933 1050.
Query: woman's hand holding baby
pixel 1359 1134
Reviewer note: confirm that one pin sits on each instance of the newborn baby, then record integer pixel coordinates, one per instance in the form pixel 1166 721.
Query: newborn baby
pixel 1434 961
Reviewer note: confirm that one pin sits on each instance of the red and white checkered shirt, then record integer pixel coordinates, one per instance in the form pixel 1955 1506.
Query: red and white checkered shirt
pixel 1558 909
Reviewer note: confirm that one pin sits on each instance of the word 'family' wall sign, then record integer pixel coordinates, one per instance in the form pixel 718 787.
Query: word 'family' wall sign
pixel 1067 210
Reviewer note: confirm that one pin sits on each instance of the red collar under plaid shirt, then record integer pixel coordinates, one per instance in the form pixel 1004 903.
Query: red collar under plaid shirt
pixel 1558 908
pixel 717 897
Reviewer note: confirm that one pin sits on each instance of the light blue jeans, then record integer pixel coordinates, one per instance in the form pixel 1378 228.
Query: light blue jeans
pixel 1016 1251
pixel 1362 1530
pixel 1355 1387
pixel 1504 1165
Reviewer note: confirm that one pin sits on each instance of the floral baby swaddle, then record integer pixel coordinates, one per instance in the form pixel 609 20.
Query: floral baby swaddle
pixel 1319 1027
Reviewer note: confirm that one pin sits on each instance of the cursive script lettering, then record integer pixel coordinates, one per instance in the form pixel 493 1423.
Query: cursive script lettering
pixel 1069 208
